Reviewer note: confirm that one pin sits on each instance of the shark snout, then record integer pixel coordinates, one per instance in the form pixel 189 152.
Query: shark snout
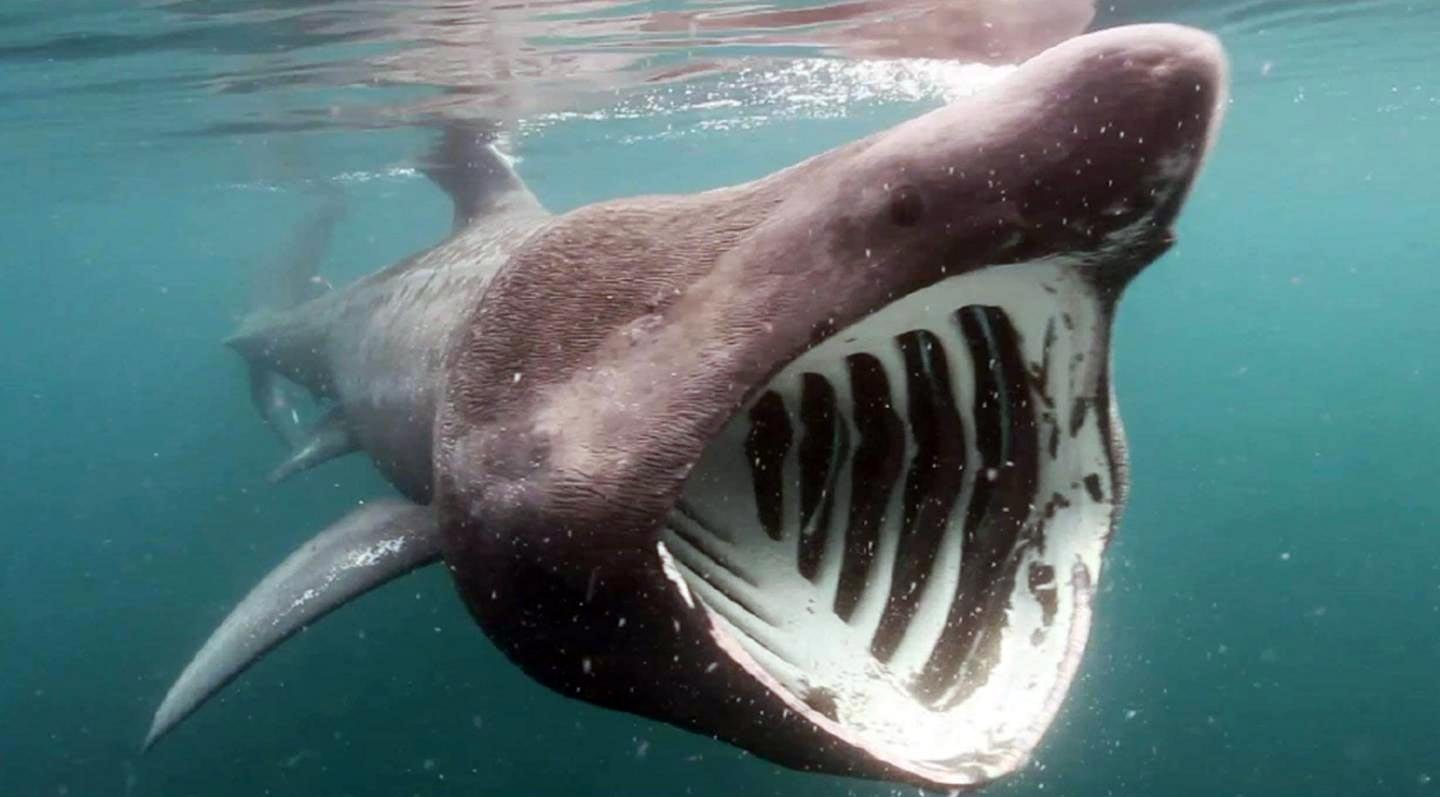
pixel 1109 132
pixel 1148 104
pixel 1091 147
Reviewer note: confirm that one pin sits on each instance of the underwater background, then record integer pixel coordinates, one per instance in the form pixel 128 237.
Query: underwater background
pixel 1269 622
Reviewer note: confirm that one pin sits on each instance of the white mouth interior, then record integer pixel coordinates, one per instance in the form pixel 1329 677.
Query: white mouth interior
pixel 901 532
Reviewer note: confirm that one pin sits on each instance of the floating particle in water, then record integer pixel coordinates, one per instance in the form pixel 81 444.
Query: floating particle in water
pixel 1358 750
pixel 295 760
pixel 478 722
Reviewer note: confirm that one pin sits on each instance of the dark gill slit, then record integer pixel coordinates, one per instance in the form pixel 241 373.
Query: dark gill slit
pixel 933 483
pixel 765 449
pixel 876 468
pixel 1005 483
pixel 823 451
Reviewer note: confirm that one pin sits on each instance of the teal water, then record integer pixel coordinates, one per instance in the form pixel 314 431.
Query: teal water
pixel 1270 617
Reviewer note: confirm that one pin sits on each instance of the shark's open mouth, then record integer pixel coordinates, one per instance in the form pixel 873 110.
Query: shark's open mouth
pixel 901 532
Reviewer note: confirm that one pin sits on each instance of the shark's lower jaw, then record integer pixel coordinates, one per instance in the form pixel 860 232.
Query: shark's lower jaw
pixel 901 534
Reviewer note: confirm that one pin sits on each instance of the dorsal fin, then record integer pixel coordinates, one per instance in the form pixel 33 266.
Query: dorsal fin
pixel 468 166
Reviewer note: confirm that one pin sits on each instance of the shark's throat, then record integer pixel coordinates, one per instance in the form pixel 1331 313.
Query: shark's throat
pixel 902 531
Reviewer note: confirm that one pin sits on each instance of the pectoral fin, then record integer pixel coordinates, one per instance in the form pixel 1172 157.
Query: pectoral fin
pixel 372 545
pixel 328 439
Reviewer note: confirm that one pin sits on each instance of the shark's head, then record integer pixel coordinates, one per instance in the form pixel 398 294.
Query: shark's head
pixel 824 464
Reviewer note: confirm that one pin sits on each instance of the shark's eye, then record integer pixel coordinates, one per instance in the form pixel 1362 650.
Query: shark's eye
pixel 906 206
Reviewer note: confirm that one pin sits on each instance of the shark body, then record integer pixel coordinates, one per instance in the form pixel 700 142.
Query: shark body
pixel 822 465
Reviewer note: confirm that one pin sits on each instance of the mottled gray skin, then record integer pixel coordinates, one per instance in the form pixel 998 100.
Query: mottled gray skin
pixel 376 347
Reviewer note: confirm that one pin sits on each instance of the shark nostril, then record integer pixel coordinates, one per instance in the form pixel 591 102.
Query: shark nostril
pixel 906 206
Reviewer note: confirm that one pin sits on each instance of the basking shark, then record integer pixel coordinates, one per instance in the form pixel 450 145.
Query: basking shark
pixel 822 465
